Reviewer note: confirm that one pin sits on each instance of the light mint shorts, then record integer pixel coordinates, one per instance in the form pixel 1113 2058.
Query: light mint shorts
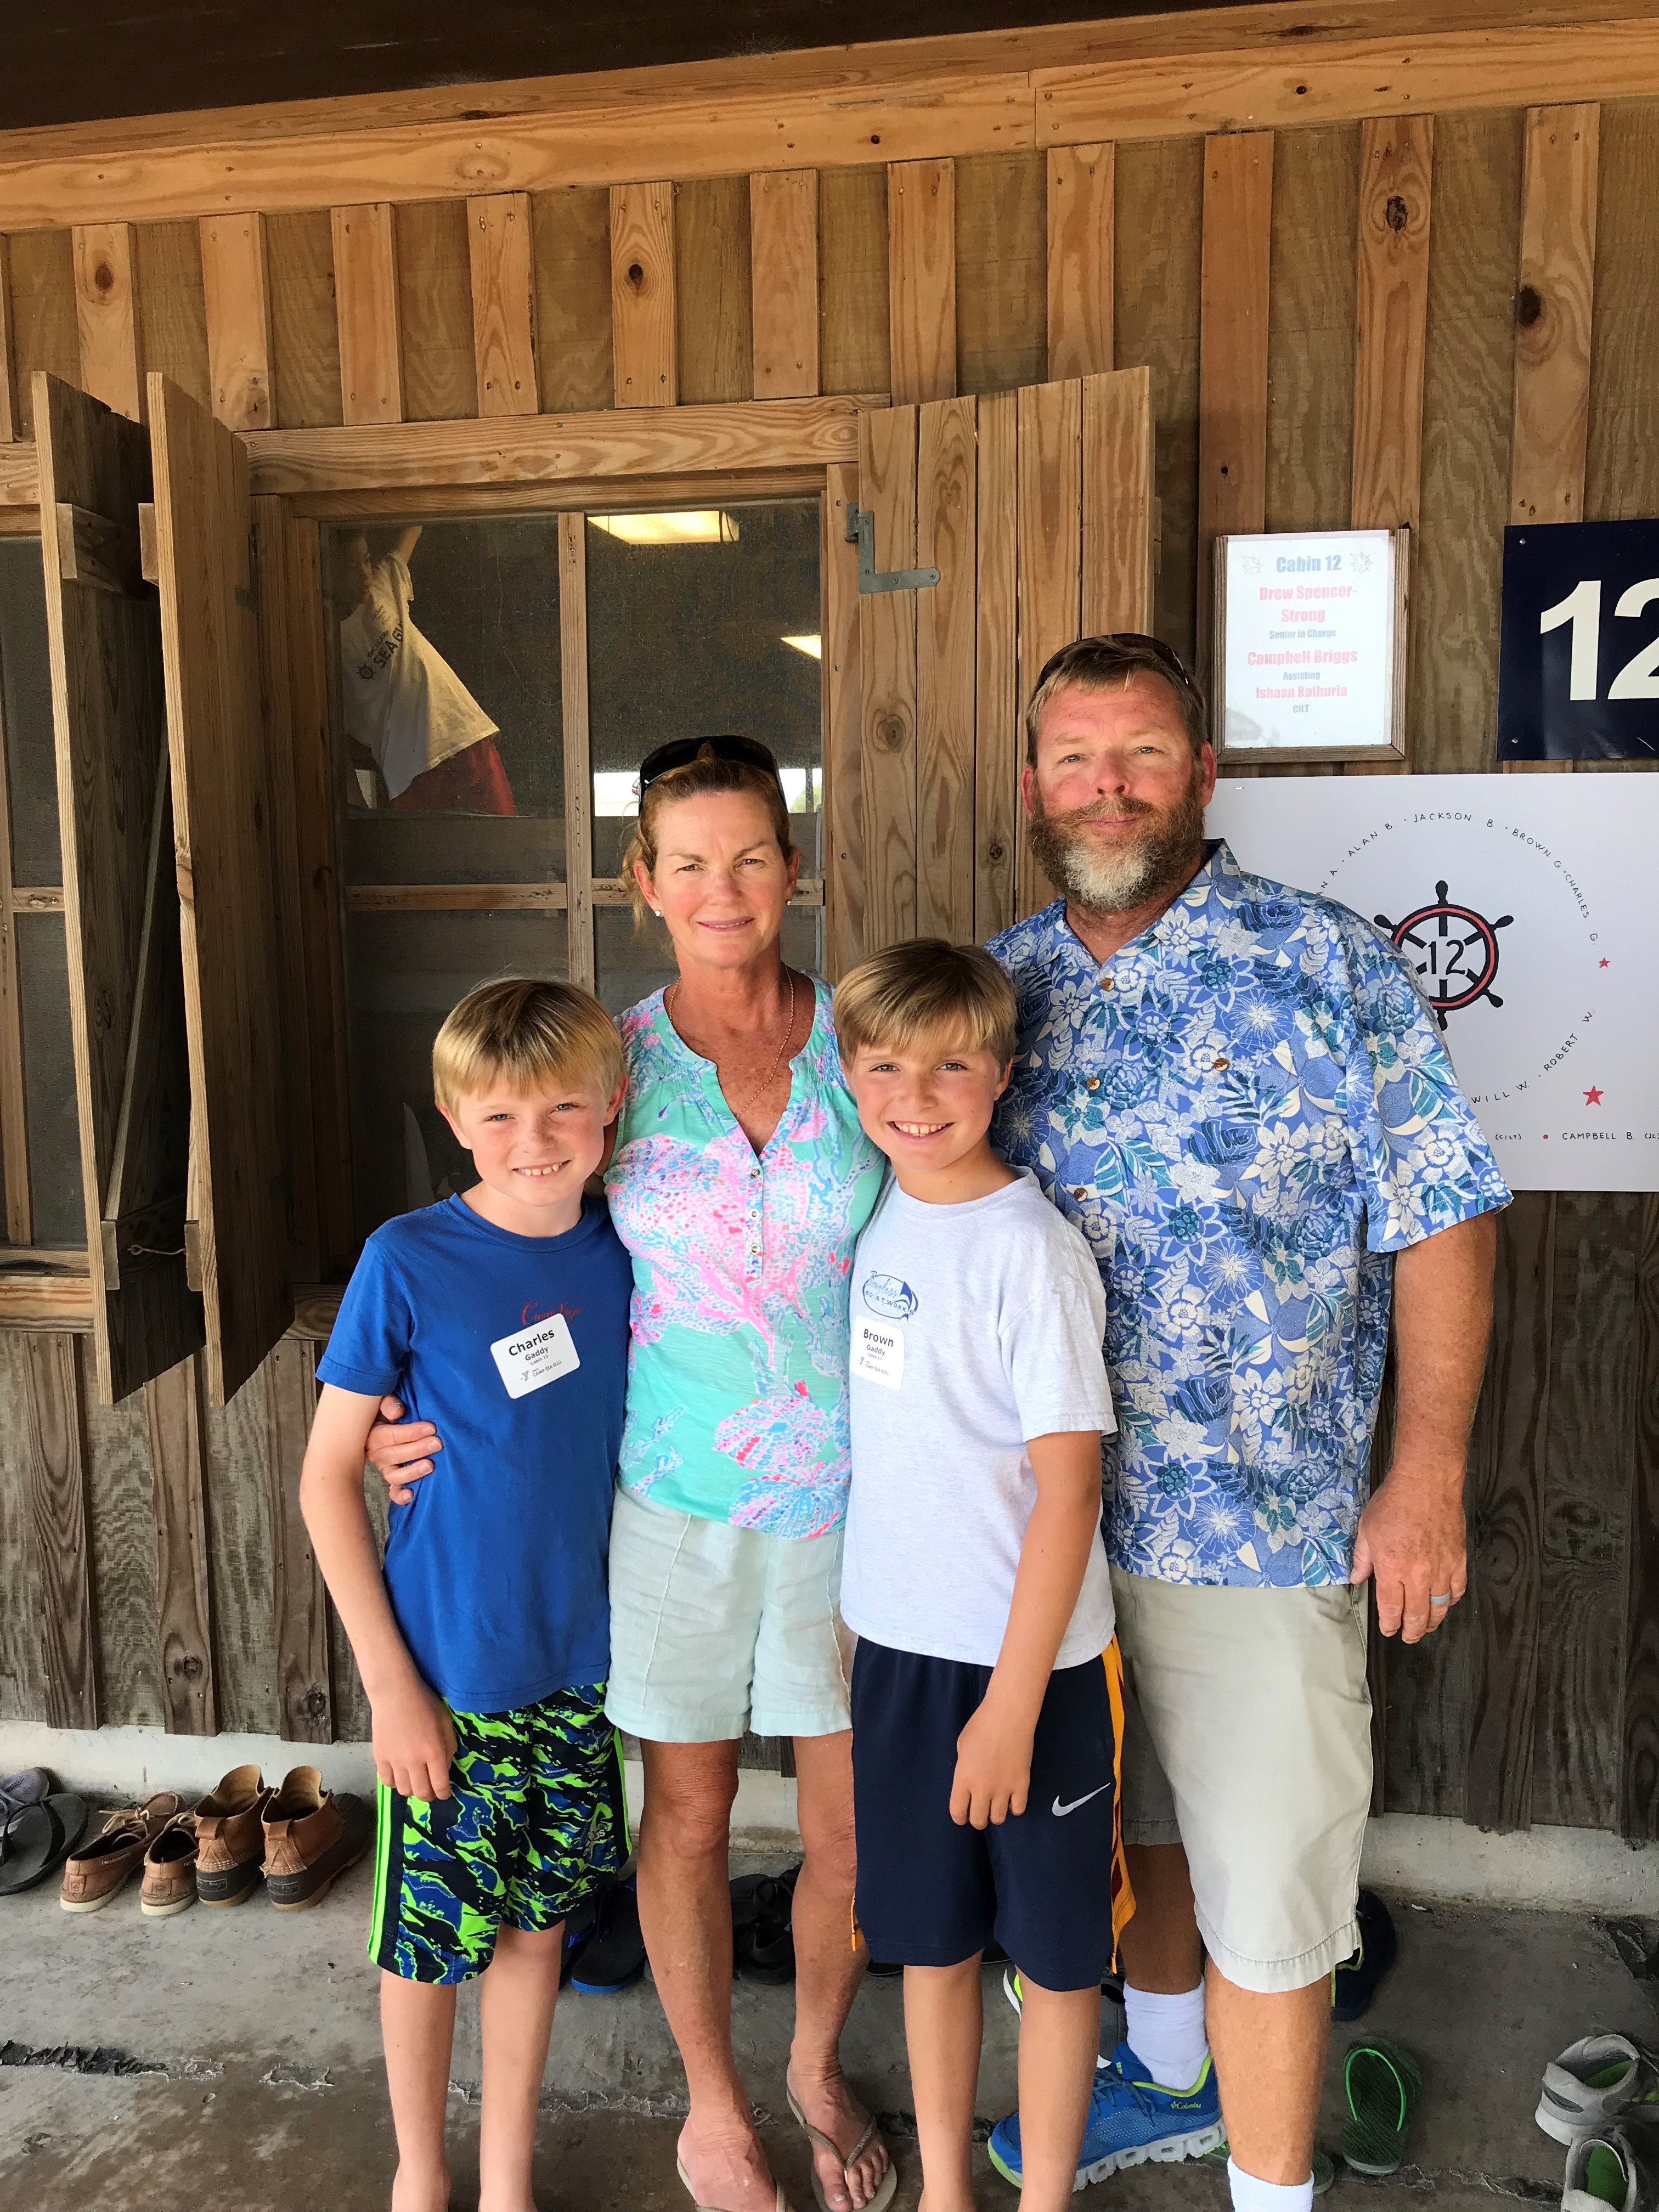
pixel 714 1629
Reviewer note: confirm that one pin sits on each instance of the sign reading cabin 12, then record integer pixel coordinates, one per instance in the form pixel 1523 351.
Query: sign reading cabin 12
pixel 1578 666
pixel 1309 643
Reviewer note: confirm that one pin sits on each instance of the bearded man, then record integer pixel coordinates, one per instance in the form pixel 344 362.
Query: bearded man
pixel 1234 1089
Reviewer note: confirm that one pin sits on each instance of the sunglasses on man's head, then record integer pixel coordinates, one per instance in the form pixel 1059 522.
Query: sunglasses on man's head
pixel 680 752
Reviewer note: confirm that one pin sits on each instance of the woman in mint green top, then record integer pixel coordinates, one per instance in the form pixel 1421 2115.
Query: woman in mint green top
pixel 737 1379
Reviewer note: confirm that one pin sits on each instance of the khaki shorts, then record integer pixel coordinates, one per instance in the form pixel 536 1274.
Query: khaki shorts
pixel 716 1629
pixel 1247 1739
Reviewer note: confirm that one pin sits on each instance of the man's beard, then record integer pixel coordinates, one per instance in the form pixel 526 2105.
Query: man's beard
pixel 1111 881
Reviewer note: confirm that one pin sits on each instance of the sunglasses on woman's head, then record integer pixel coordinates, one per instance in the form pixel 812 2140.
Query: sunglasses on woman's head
pixel 680 752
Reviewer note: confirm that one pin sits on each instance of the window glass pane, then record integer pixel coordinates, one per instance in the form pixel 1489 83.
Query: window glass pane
pixel 631 967
pixel 60 1219
pixel 448 724
pixel 405 972
pixel 25 712
pixel 689 635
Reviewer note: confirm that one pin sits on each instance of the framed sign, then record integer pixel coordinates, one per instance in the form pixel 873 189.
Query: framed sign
pixel 1578 660
pixel 1310 646
pixel 1526 906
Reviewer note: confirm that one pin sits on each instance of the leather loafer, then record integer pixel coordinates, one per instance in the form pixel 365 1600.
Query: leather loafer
pixel 94 1874
pixel 169 1883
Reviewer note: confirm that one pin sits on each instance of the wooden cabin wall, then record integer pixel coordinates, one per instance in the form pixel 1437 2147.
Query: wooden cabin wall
pixel 1539 1699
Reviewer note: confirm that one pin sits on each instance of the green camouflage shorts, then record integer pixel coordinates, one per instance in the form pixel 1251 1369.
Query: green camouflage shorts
pixel 535 1817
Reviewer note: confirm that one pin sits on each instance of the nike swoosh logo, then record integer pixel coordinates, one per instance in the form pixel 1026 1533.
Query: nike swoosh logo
pixel 1060 1811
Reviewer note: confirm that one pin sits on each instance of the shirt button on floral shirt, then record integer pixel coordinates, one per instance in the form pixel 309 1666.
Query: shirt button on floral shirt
pixel 737 1368
pixel 1246 1125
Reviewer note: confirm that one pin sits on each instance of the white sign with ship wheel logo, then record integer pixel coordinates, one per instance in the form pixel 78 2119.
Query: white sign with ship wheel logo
pixel 1528 906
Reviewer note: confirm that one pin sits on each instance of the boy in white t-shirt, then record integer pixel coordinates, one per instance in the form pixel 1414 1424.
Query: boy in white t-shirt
pixel 987 1697
pixel 431 740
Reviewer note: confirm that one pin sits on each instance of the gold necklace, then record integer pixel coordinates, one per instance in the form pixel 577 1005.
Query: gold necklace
pixel 771 1075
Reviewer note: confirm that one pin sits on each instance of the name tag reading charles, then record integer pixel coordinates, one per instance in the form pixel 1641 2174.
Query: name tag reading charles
pixel 537 1355
pixel 878 1352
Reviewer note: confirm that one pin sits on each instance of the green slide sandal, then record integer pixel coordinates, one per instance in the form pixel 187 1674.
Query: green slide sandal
pixel 1384 2088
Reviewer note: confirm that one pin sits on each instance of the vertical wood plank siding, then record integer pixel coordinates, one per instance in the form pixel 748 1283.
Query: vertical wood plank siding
pixel 1232 392
pixel 1446 320
pixel 237 294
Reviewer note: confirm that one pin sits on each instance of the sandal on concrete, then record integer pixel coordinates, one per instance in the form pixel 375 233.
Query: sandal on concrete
pixel 782 2204
pixel 884 2188
pixel 35 1839
pixel 1384 2088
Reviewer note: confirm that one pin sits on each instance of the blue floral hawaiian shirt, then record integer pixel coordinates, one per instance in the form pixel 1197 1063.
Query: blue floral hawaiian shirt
pixel 1247 1110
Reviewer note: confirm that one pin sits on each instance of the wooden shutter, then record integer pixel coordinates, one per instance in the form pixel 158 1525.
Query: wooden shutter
pixel 222 802
pixel 121 916
pixel 1035 507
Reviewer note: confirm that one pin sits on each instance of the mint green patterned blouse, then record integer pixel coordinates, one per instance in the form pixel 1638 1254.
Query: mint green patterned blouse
pixel 737 1374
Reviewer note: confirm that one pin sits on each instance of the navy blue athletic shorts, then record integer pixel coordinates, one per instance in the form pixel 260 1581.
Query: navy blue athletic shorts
pixel 1048 1883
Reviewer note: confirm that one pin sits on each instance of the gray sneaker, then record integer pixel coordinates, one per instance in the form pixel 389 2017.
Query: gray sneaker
pixel 1603 2176
pixel 1596 2080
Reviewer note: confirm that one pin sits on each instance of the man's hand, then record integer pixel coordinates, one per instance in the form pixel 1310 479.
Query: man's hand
pixel 414 1739
pixel 994 1767
pixel 400 1455
pixel 1411 1543
pixel 1411 1538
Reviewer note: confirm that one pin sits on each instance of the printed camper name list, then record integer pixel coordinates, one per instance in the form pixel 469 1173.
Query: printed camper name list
pixel 1308 651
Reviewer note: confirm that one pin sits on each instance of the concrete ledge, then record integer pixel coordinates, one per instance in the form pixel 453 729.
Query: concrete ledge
pixel 1410 1855
pixel 109 1763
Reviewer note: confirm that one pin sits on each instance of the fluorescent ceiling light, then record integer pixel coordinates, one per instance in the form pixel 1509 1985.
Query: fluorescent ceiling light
pixel 811 646
pixel 709 525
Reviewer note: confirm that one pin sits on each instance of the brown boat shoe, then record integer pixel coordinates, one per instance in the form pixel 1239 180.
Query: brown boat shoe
pixel 94 1874
pixel 230 1840
pixel 169 1883
pixel 311 1836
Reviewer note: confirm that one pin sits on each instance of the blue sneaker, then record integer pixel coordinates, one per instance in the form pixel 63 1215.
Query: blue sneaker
pixel 1131 2120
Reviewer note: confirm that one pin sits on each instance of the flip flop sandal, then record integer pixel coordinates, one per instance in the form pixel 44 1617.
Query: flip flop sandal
pixel 884 2188
pixel 613 1957
pixel 1384 2088
pixel 782 2204
pixel 30 1787
pixel 37 1839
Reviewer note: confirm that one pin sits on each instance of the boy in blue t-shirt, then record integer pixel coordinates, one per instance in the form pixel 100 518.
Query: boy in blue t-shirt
pixel 501 1314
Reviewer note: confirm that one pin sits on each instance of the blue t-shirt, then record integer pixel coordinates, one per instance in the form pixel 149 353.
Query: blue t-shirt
pixel 516 1348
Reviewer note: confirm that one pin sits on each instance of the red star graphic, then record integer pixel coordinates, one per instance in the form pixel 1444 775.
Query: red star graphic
pixel 1592 1096
pixel 1604 964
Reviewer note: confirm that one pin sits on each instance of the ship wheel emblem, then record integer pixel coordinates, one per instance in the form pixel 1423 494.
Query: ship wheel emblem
pixel 1454 951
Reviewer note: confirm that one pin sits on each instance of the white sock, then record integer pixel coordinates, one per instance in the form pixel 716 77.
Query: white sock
pixel 1166 2034
pixel 1250 2195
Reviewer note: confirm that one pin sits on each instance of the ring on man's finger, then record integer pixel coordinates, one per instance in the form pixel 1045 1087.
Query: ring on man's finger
pixel 1441 1597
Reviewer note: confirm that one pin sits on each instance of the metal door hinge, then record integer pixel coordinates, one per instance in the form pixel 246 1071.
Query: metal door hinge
pixel 861 532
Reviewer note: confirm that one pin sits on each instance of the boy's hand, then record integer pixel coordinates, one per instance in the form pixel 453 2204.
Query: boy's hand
pixel 994 1767
pixel 414 1741
pixel 400 1455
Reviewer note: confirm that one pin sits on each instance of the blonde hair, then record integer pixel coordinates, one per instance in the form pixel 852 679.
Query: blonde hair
pixel 925 991
pixel 706 776
pixel 524 1033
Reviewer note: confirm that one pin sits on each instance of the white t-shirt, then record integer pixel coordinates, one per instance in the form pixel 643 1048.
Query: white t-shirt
pixel 403 700
pixel 974 1327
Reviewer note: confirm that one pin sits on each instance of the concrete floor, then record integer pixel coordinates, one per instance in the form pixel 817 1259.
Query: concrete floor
pixel 231 2060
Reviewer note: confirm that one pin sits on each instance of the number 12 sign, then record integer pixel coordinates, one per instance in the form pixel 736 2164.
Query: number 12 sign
pixel 1578 667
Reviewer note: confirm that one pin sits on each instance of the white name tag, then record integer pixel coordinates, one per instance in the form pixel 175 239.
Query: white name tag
pixel 537 1353
pixel 878 1352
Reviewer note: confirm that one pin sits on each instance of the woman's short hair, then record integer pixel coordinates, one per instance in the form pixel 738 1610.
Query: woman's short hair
pixel 1106 663
pixel 525 1033
pixel 706 776
pixel 924 993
